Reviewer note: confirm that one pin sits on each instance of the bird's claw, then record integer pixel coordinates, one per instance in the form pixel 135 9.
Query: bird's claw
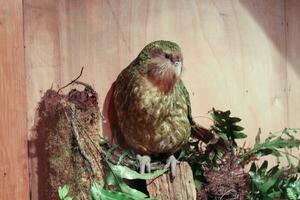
pixel 171 163
pixel 144 162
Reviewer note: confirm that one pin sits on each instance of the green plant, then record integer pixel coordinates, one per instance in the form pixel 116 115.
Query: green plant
pixel 275 144
pixel 226 128
pixel 115 179
pixel 63 193
pixel 275 183
pixel 213 162
pixel 209 156
pixel 116 176
pixel 278 182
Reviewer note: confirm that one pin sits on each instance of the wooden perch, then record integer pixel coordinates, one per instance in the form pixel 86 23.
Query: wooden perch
pixel 181 188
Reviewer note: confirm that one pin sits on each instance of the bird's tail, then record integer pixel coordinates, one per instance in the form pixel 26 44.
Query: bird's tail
pixel 201 133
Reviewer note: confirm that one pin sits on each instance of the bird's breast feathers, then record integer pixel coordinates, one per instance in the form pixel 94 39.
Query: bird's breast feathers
pixel 153 121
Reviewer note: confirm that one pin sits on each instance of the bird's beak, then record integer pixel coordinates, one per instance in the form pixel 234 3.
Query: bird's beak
pixel 178 68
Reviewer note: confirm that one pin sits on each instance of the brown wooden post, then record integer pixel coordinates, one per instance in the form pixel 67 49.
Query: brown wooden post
pixel 13 110
pixel 181 188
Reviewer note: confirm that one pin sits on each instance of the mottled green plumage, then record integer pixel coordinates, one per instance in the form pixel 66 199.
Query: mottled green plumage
pixel 153 115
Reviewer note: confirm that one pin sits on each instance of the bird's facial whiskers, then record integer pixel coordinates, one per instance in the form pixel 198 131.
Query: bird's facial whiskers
pixel 163 68
pixel 162 75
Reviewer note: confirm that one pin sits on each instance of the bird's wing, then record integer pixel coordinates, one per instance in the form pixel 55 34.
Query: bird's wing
pixel 197 131
pixel 188 102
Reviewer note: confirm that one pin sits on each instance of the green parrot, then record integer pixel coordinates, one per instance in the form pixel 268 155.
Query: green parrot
pixel 152 104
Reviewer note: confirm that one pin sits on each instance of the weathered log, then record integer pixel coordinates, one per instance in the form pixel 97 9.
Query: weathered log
pixel 181 188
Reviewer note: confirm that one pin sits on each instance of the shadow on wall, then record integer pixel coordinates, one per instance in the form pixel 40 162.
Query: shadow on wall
pixel 282 28
pixel 39 169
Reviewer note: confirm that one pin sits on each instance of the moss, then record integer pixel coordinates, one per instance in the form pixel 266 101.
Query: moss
pixel 62 161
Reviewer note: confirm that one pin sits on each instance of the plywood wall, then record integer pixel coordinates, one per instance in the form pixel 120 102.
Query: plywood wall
pixel 14 182
pixel 240 55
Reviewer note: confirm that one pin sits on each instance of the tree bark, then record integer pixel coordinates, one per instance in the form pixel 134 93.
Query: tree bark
pixel 181 188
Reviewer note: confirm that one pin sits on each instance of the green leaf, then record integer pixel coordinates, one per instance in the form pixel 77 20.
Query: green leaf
pixel 275 194
pixel 115 178
pixel 198 184
pixel 131 191
pixel 273 171
pixel 291 194
pixel 296 186
pixel 225 114
pixel 110 151
pixel 239 135
pixel 282 143
pixel 123 155
pixel 99 193
pixel 257 138
pixel 234 120
pixel 68 198
pixel 271 181
pixel 219 155
pixel 127 173
pixel 253 167
pixel 223 136
pixel 262 170
pixel 287 156
pixel 237 128
pixel 110 179
pixel 270 146
pixel 122 186
pixel 263 152
pixel 270 137
pixel 256 179
pixel 62 192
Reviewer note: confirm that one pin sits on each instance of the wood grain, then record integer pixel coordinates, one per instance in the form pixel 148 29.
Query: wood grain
pixel 293 62
pixel 13 127
pixel 181 188
pixel 238 55
pixel 292 8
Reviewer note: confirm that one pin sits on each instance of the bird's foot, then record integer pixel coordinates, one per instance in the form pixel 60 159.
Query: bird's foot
pixel 171 163
pixel 144 163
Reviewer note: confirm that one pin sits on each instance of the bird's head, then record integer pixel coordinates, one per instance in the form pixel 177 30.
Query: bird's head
pixel 162 64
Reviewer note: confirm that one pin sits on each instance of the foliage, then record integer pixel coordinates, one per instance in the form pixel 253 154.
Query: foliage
pixel 115 179
pixel 272 145
pixel 116 186
pixel 275 183
pixel 63 193
pixel 201 156
pixel 209 160
pixel 116 176
pixel 99 193
pixel 226 128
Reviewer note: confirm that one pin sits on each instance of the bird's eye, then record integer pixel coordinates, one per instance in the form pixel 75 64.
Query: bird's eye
pixel 167 56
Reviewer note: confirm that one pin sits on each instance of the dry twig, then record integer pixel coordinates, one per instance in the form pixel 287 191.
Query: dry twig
pixel 73 81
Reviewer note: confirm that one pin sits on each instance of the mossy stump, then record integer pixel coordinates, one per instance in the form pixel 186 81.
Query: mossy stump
pixel 63 158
